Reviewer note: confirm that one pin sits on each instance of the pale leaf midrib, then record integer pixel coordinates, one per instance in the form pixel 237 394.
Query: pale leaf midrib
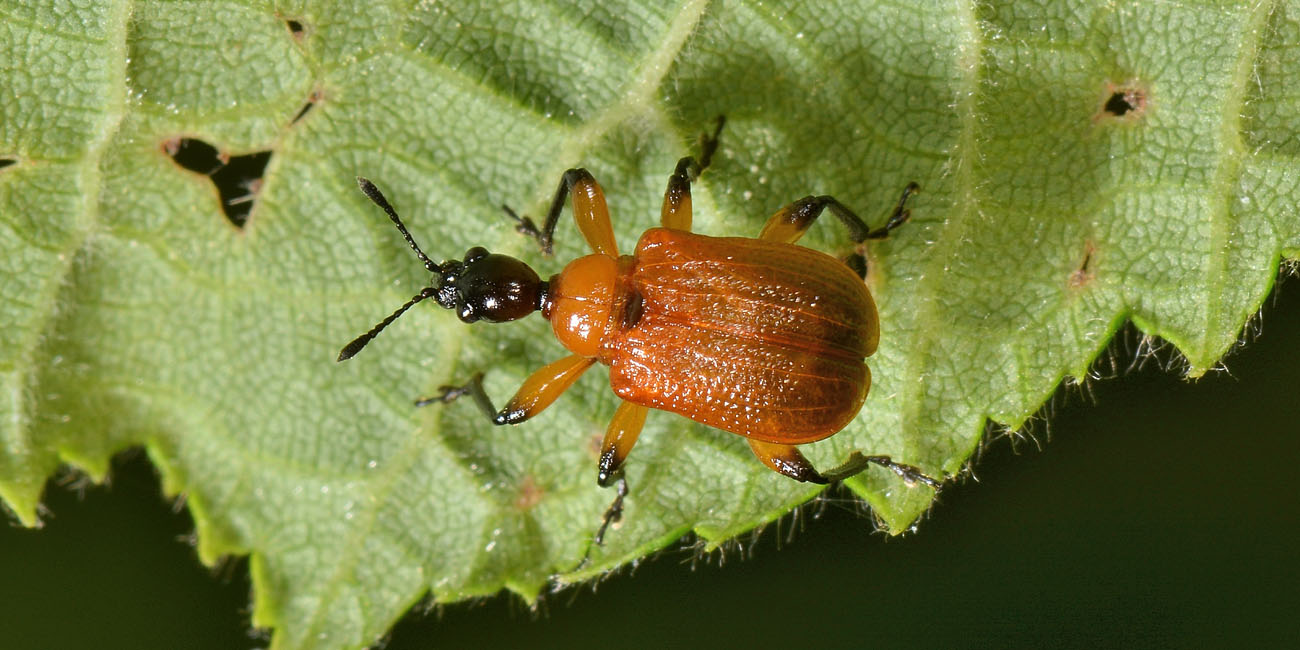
pixel 637 93
pixel 967 207
pixel 1221 188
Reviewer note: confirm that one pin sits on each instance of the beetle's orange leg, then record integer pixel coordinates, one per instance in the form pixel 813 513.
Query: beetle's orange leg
pixel 619 438
pixel 538 392
pixel 589 212
pixel 621 435
pixel 788 460
pixel 792 221
pixel 677 199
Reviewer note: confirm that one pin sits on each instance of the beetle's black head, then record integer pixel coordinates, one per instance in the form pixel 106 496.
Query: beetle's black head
pixel 489 286
pixel 483 286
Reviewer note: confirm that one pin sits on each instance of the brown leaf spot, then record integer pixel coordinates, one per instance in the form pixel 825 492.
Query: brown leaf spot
pixel 1084 275
pixel 530 494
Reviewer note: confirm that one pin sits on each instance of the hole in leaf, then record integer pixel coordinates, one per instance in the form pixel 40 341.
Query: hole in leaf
pixel 239 182
pixel 311 102
pixel 5 162
pixel 195 155
pixel 1127 101
pixel 236 178
pixel 303 112
pixel 1117 105
pixel 295 27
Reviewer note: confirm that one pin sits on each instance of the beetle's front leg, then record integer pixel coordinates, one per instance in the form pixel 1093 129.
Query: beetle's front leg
pixel 589 211
pixel 473 388
pixel 539 391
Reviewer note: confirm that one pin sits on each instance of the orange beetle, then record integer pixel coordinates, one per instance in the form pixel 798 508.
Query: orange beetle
pixel 758 337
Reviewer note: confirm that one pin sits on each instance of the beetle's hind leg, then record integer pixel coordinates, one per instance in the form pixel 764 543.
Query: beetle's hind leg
pixel 677 198
pixel 788 460
pixel 898 217
pixel 858 462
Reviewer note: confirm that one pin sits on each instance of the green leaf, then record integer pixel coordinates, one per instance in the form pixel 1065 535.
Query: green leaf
pixel 1083 163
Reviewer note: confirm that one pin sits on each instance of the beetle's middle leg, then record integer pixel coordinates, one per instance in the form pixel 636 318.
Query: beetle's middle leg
pixel 677 198
pixel 612 514
pixel 621 435
pixel 791 222
pixel 539 391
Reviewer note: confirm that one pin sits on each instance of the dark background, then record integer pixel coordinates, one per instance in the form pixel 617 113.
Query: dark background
pixel 1158 513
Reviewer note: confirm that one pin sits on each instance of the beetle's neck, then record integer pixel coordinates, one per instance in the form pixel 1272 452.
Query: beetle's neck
pixel 544 297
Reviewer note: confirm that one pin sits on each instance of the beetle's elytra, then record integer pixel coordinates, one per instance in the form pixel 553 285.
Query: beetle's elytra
pixel 756 336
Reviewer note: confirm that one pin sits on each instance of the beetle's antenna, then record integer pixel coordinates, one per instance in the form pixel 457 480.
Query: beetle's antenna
pixel 375 195
pixel 350 350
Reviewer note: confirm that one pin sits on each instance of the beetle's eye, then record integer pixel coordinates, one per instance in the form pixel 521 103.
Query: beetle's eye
pixel 467 313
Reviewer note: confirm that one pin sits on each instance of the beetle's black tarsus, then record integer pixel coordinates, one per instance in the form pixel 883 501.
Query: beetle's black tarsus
pixel 857 462
pixel 612 514
pixel 792 221
pixel 546 236
pixel 525 226
pixel 804 212
pixel 473 388
pixel 899 216
pixel 689 168
pixel 709 145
